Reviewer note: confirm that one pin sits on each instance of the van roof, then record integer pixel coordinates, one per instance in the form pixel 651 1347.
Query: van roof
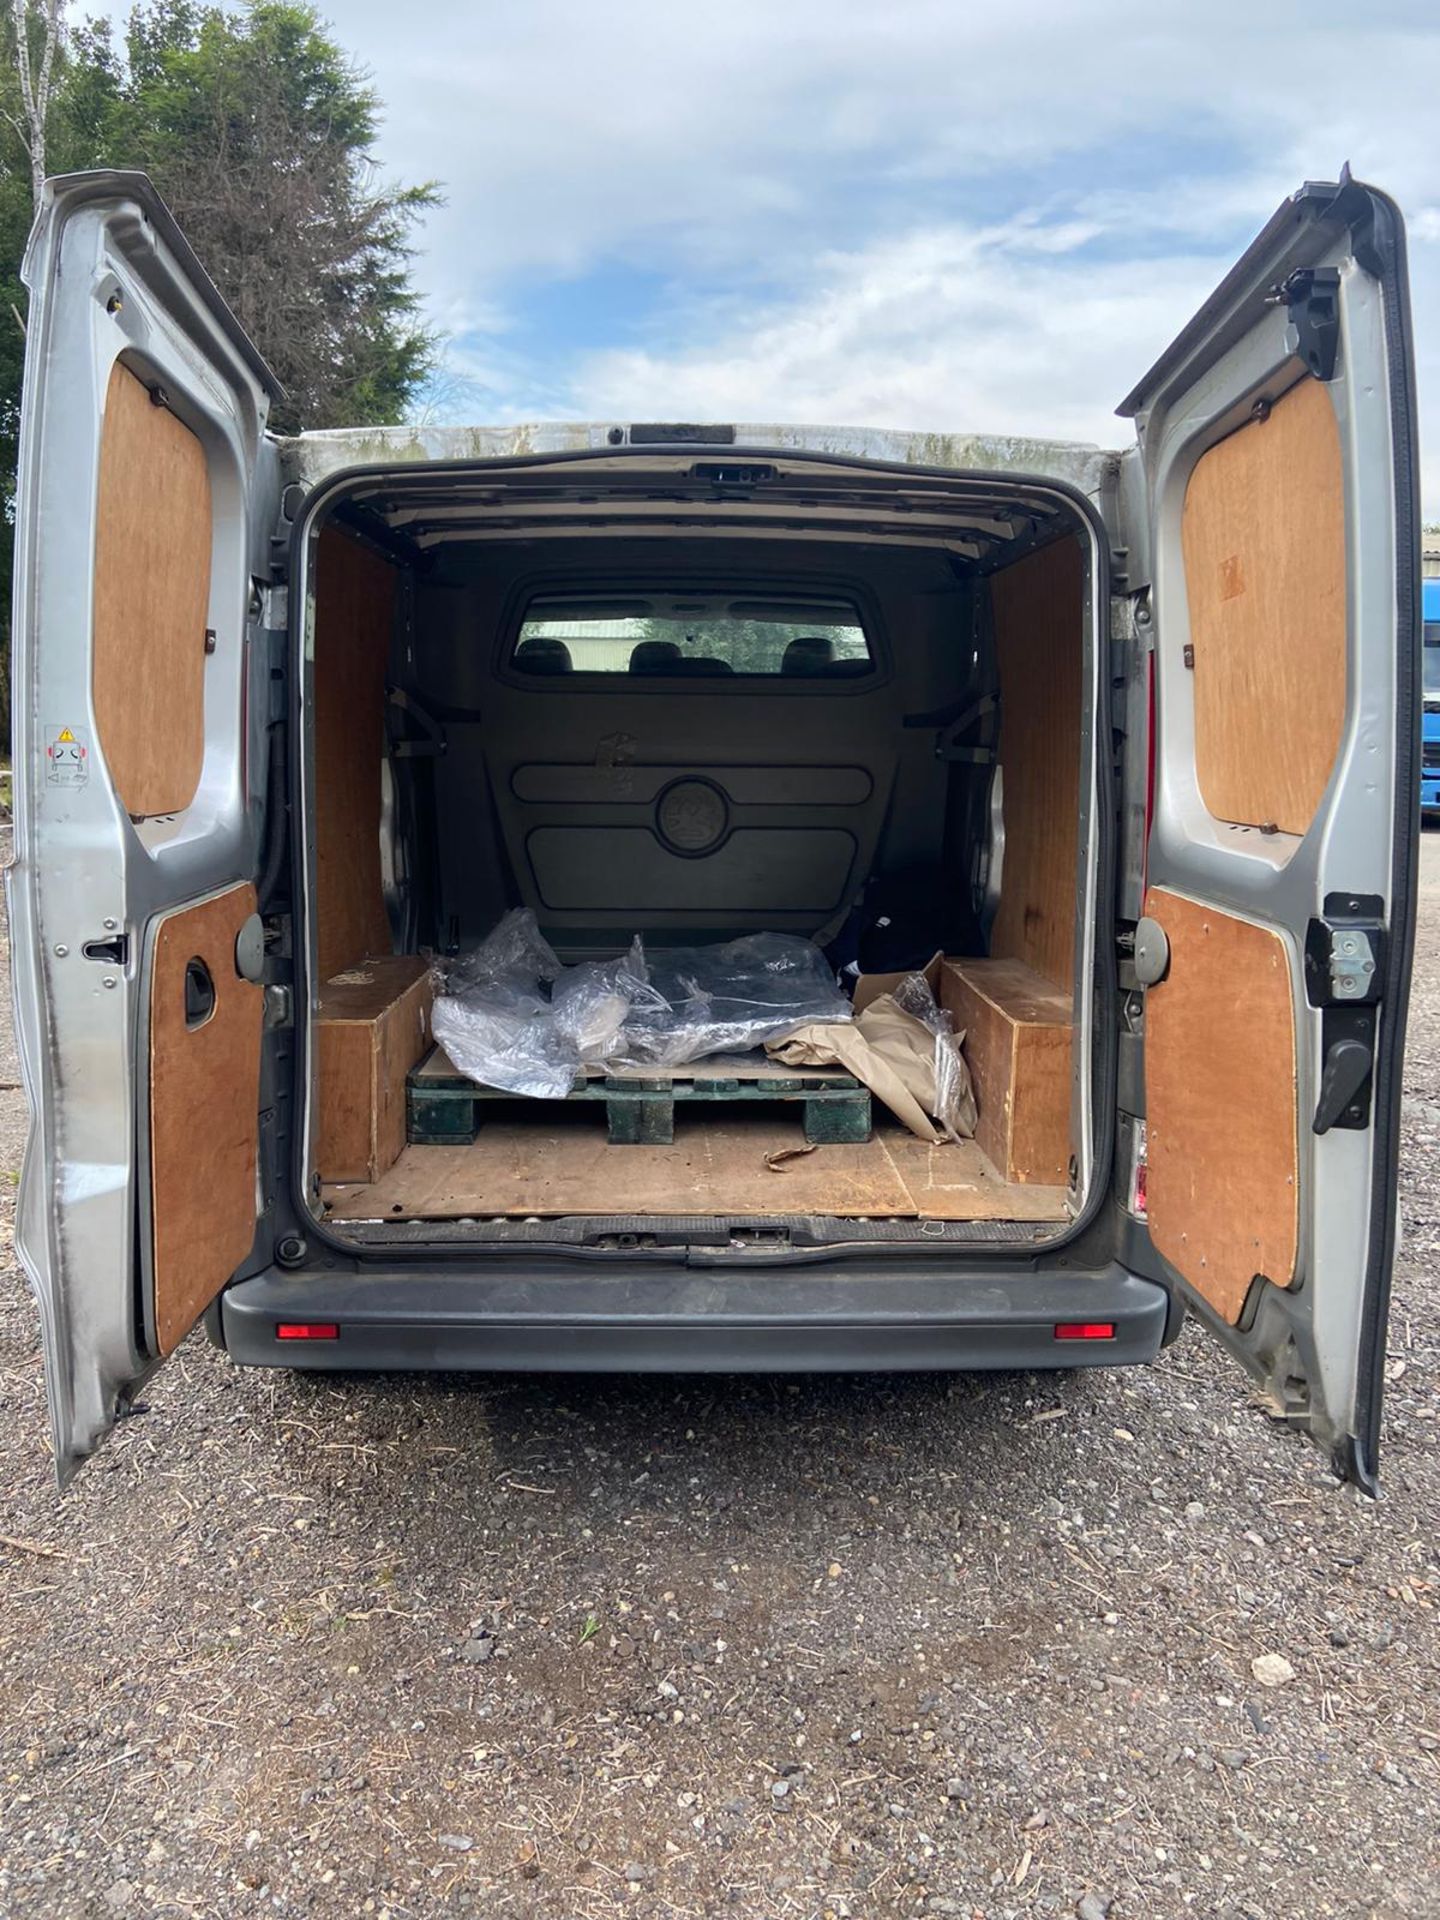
pixel 314 456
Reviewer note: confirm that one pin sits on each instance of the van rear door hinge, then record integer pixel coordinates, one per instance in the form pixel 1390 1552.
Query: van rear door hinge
pixel 1311 297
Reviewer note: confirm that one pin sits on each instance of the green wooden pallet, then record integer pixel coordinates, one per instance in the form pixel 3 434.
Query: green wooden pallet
pixel 443 1107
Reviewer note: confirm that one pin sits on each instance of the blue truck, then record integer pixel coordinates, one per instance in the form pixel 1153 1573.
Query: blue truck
pixel 1430 738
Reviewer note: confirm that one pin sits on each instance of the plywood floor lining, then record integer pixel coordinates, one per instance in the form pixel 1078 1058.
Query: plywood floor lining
pixel 558 1163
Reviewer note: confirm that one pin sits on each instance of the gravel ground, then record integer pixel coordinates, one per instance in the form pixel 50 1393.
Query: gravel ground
pixel 978 1646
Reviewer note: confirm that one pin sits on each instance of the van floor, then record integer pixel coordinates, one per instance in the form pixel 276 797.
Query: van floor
pixel 555 1161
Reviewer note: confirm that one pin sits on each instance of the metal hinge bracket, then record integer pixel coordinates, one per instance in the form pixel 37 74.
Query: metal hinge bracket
pixel 1311 297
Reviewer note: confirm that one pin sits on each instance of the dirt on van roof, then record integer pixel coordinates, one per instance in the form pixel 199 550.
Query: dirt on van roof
pixel 1104 1644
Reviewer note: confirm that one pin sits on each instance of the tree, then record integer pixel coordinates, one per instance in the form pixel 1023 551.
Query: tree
pixel 260 133
pixel 35 71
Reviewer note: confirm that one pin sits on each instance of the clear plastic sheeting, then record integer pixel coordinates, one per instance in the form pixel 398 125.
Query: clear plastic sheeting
pixel 513 954
pixel 731 998
pixel 954 1098
pixel 511 1016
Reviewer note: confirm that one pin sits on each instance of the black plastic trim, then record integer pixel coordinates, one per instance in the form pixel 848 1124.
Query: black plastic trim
pixel 693 1320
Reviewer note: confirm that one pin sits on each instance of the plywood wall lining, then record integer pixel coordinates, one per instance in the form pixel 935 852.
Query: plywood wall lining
pixel 1039 610
pixel 1263 535
pixel 204 1101
pixel 153 532
pixel 1223 1155
pixel 354 621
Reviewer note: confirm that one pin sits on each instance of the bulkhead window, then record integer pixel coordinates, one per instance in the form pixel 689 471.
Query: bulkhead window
pixel 692 636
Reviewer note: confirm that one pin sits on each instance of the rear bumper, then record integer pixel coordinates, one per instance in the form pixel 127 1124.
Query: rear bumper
pixel 801 1319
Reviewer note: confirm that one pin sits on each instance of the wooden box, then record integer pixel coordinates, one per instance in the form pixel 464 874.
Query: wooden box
pixel 1018 1041
pixel 373 1024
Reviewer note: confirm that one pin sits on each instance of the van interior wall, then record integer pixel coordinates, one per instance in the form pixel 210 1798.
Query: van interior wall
pixel 543 789
pixel 1038 611
pixel 547 793
pixel 372 1004
pixel 355 594
pixel 1018 1004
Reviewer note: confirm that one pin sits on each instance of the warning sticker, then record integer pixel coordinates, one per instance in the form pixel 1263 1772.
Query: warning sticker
pixel 67 758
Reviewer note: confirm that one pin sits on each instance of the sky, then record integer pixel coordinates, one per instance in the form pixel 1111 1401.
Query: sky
pixel 923 214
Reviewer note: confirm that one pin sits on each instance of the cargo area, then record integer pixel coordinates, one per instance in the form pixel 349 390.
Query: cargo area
pixel 690 702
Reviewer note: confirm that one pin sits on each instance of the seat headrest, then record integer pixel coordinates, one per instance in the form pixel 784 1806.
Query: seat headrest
pixel 541 654
pixel 808 653
pixel 653 656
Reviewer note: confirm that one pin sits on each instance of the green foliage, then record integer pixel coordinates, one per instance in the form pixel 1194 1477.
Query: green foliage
pixel 259 132
pixel 750 646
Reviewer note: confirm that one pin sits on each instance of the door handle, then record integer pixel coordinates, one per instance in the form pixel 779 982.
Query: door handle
pixel 199 993
pixel 1343 1078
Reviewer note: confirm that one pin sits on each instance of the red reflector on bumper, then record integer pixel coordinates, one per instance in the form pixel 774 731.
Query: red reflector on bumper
pixel 307 1330
pixel 1085 1330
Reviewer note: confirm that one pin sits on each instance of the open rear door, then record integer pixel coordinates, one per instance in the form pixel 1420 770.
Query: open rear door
pixel 1278 455
pixel 146 499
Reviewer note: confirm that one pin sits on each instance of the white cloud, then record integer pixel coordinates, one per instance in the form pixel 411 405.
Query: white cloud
pixel 988 330
pixel 834 165
pixel 802 155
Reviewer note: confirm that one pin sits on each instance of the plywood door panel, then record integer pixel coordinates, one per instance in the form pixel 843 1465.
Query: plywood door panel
pixel 152 597
pixel 1220 1096
pixel 1264 545
pixel 354 620
pixel 1039 607
pixel 204 1101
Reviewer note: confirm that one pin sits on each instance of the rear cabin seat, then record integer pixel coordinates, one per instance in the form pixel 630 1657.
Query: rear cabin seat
pixel 540 654
pixel 808 653
pixel 654 656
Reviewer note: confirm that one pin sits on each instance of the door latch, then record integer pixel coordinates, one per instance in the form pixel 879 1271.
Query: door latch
pixel 1345 952
pixel 1344 1085
pixel 1344 977
pixel 113 951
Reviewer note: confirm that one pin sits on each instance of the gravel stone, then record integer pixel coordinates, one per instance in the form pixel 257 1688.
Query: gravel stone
pixel 1272 1670
pixel 235 1715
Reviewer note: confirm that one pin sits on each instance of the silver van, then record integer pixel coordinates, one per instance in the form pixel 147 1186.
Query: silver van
pixel 292 715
